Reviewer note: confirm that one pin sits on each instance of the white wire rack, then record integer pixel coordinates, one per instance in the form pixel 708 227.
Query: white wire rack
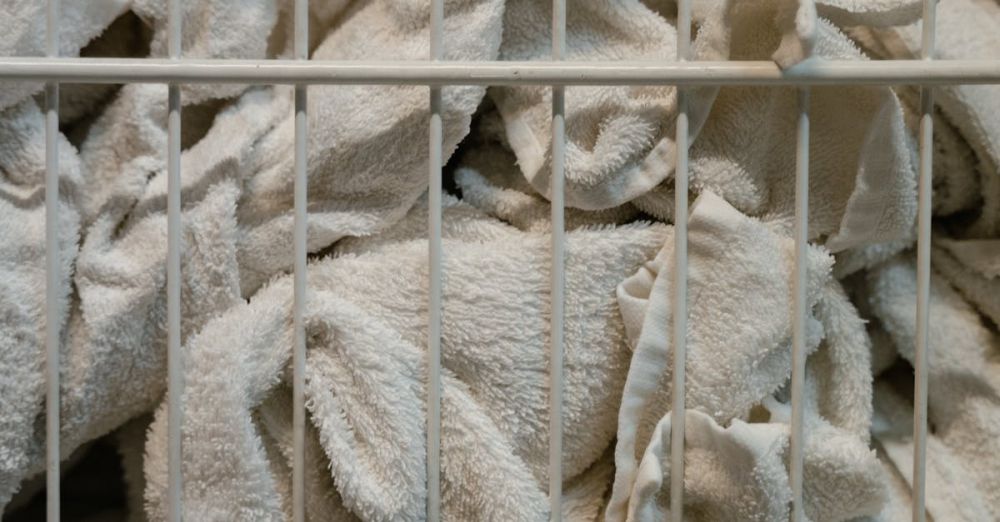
pixel 435 73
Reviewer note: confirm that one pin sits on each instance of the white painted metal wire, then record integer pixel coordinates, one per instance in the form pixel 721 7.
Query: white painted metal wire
pixel 176 71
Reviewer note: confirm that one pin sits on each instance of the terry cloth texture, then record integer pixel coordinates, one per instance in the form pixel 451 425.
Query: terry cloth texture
pixel 964 393
pixel 966 29
pixel 24 34
pixel 366 313
pixel 737 277
pixel 367 405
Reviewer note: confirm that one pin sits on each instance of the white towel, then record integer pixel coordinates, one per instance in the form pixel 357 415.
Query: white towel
pixel 213 29
pixel 367 145
pixel 619 139
pixel 24 34
pixel 972 266
pixel 964 379
pixel 366 319
pixel 739 472
pixel 966 29
pixel 738 336
pixel 490 180
pixel 114 357
pixel 862 182
pixel 23 281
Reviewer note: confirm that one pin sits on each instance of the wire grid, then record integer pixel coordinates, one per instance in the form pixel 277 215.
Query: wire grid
pixel 434 73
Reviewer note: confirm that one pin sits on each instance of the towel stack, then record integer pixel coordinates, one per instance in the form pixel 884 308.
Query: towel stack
pixel 366 310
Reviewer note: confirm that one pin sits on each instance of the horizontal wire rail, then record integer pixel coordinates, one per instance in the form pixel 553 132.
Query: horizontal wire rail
pixel 813 72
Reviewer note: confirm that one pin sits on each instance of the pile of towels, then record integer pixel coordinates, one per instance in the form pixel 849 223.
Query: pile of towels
pixel 366 310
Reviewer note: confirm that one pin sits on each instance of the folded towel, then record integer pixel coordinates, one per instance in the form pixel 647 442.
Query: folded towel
pixel 365 324
pixel 738 338
pixel 964 379
pixel 23 281
pixel 24 34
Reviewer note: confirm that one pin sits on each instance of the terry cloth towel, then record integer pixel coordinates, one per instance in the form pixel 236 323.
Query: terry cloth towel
pixel 947 497
pixel 739 472
pixel 366 328
pixel 114 352
pixel 367 145
pixel 24 34
pixel 619 140
pixel 966 29
pixel 738 341
pixel 113 359
pixel 489 179
pixel 964 379
pixel 23 280
pixel 213 29
pixel 972 266
pixel 862 182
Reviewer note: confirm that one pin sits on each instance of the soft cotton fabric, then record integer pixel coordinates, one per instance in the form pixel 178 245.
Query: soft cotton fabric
pixel 738 347
pixel 963 407
pixel 23 281
pixel 367 144
pixel 24 34
pixel 365 370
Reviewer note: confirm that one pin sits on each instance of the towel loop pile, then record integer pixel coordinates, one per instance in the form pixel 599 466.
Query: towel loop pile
pixel 366 307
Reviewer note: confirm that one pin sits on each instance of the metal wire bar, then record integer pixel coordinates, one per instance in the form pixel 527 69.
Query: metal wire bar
pixel 301 17
pixel 434 297
pixel 923 270
pixel 558 274
pixel 125 70
pixel 175 368
pixel 800 305
pixel 678 388
pixel 52 268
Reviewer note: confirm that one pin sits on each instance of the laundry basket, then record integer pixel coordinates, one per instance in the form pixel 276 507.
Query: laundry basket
pixel 436 73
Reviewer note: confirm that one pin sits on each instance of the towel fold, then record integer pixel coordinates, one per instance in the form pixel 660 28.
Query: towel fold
pixel 619 140
pixel 24 31
pixel 367 144
pixel 738 340
pixel 365 323
pixel 964 380
pixel 213 29
pixel 23 282
pixel 740 472
pixel 972 266
pixel 966 29
pixel 862 182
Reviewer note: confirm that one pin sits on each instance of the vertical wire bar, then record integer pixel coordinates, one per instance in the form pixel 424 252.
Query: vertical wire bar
pixel 52 265
pixel 175 368
pixel 678 408
pixel 301 28
pixel 434 297
pixel 799 304
pixel 558 290
pixel 923 271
